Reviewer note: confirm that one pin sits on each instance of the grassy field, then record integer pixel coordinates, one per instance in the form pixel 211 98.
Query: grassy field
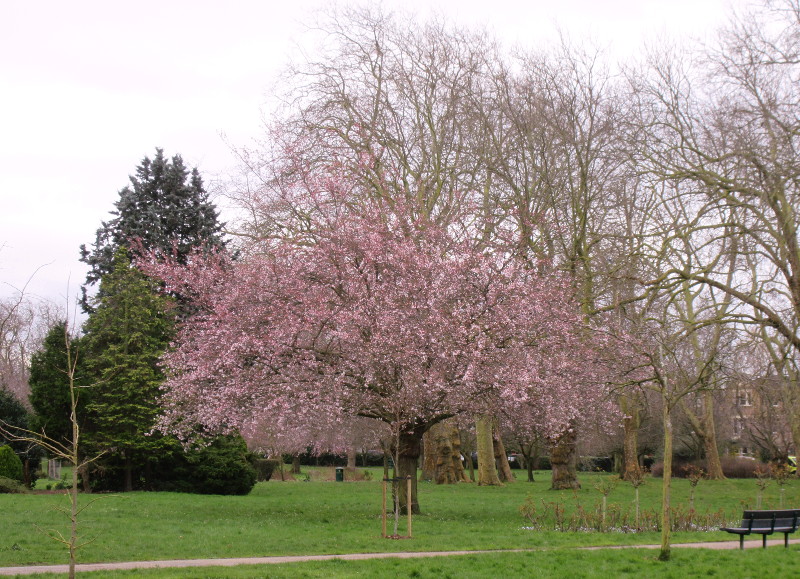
pixel 296 518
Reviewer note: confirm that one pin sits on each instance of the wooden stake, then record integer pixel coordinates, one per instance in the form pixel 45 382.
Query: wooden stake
pixel 408 504
pixel 383 530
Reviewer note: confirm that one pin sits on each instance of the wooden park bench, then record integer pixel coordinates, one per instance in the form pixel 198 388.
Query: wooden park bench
pixel 766 523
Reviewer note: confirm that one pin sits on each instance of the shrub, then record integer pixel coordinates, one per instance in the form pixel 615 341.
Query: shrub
pixel 8 485
pixel 309 458
pixel 678 468
pixel 62 484
pixel 732 467
pixel 10 464
pixel 735 467
pixel 221 467
pixel 264 467
pixel 544 515
pixel 14 414
pixel 595 464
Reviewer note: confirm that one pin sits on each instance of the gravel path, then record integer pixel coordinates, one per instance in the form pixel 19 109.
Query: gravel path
pixel 30 570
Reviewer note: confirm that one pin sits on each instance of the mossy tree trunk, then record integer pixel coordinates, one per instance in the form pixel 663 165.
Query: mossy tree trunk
pixel 504 472
pixel 487 471
pixel 564 461
pixel 409 448
pixel 442 454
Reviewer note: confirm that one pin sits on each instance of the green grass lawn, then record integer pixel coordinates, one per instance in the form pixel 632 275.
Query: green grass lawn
pixel 296 518
pixel 628 563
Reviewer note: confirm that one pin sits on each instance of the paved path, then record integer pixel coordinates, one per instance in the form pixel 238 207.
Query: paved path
pixel 30 570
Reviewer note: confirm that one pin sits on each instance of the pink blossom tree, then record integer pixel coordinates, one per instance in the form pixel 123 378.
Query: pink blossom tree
pixel 379 313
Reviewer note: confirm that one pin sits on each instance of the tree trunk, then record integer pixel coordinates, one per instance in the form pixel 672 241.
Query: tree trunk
pixel 387 450
pixel 630 441
pixel 128 472
pixel 470 466
pixel 529 468
pixel 705 429
pixel 456 456
pixel 442 449
pixel 74 510
pixel 564 461
pixel 713 463
pixel 487 471
pixel 26 473
pixel 295 464
pixel 408 451
pixel 531 452
pixel 84 473
pixel 501 459
pixel 351 462
pixel 465 446
pixel 429 455
pixel 666 482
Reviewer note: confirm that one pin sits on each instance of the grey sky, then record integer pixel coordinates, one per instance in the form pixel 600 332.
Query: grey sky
pixel 90 87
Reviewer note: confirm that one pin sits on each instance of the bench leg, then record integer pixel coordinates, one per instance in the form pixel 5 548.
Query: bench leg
pixel 741 542
pixel 786 540
pixel 763 541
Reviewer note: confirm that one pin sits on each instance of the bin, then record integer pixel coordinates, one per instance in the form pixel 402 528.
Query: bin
pixel 339 474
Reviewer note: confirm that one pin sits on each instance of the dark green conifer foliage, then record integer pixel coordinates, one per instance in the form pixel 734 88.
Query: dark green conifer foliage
pixel 13 414
pixel 166 210
pixel 165 207
pixel 49 383
pixel 10 464
pixel 16 419
pixel 126 334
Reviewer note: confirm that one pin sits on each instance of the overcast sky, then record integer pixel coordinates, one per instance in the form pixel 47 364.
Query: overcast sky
pixel 88 88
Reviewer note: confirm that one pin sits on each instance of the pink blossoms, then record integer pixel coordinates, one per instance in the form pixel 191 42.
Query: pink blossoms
pixel 379 316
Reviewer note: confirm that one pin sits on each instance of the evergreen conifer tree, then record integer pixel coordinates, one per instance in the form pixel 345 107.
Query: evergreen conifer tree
pixel 49 384
pixel 165 207
pixel 129 329
pixel 166 210
pixel 126 334
pixel 14 415
pixel 10 464
pixel 15 419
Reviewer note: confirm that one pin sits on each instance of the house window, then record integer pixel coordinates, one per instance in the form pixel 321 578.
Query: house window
pixel 744 398
pixel 738 426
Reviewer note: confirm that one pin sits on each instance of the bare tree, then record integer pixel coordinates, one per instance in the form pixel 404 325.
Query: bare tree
pixel 24 321
pixel 719 133
pixel 728 134
pixel 69 450
pixel 557 158
pixel 387 103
